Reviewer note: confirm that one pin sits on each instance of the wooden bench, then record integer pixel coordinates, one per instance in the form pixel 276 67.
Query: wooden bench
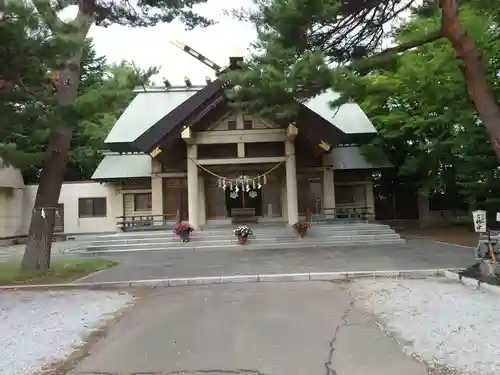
pixel 243 215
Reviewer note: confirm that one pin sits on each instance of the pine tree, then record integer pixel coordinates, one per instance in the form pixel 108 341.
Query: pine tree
pixel 426 123
pixel 67 39
pixel 300 40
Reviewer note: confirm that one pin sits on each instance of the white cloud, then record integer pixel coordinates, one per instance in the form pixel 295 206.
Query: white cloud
pixel 151 46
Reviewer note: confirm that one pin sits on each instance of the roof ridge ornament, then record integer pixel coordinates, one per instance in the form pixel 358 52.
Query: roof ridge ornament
pixel 234 60
pixel 198 56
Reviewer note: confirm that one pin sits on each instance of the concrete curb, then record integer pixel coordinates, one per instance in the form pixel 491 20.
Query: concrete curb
pixel 451 275
pixel 309 276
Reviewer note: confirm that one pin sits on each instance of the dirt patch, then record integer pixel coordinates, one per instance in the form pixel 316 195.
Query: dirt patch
pixel 455 235
pixel 474 272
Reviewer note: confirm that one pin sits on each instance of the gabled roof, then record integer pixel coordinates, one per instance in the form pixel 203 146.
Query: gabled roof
pixel 176 117
pixel 147 108
pixel 153 115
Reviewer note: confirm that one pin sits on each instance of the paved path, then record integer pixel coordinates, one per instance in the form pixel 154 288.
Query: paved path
pixel 417 254
pixel 272 329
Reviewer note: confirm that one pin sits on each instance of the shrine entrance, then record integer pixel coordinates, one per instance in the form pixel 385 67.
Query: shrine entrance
pixel 244 199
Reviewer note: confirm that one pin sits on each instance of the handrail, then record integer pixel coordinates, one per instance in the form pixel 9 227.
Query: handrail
pixel 131 222
pixel 350 213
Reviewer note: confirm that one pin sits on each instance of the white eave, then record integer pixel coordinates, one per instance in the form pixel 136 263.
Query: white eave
pixel 351 157
pixel 123 166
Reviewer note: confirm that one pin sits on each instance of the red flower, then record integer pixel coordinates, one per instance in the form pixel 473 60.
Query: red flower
pixel 183 228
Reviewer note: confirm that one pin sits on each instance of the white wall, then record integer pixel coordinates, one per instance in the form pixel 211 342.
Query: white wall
pixel 70 193
pixel 11 211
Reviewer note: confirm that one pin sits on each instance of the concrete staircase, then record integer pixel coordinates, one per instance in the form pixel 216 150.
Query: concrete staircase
pixel 266 236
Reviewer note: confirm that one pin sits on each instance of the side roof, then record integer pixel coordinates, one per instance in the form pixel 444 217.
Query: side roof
pixel 349 117
pixel 116 166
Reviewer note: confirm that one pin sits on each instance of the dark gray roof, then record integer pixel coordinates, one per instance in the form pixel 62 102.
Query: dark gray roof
pixel 349 117
pixel 116 166
pixel 351 157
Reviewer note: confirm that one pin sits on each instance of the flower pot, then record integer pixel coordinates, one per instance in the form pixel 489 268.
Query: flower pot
pixel 242 240
pixel 184 236
pixel 302 232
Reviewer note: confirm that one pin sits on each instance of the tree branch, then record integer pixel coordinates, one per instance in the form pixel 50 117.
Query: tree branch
pixel 428 38
pixel 49 15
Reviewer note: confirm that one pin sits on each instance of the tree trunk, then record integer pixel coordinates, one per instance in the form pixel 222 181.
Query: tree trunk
pixel 473 69
pixel 39 245
pixel 38 248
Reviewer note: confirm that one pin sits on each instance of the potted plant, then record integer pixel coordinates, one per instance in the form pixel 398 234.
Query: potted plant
pixel 301 227
pixel 242 232
pixel 183 230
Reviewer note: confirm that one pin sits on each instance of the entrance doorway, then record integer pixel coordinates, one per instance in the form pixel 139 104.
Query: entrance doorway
pixel 175 198
pixel 244 199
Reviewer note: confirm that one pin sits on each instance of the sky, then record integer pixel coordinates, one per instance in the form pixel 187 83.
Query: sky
pixel 151 46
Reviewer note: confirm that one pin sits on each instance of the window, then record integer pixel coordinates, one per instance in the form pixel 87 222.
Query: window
pixel 231 125
pixel 143 202
pixel 92 207
pixel 247 124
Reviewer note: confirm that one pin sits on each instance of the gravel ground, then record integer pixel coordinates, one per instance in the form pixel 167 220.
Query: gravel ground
pixel 444 323
pixel 38 328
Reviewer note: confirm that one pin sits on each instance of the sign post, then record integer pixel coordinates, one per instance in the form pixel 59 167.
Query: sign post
pixel 479 218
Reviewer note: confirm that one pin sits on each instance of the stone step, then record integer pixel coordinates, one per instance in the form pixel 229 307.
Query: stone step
pixel 232 240
pixel 268 235
pixel 264 236
pixel 257 229
pixel 190 246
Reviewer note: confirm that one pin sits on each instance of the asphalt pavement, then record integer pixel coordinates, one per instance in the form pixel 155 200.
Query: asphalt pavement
pixel 310 328
pixel 416 254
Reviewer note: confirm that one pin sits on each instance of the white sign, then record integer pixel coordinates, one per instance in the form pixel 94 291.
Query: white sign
pixel 498 216
pixel 479 218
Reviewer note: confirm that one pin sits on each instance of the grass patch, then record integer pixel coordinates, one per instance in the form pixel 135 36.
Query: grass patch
pixel 61 270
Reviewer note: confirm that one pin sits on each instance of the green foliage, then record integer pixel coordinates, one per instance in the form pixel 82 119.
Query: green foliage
pixel 272 82
pixel 302 46
pixel 417 100
pixel 426 122
pixel 29 106
pixel 26 97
